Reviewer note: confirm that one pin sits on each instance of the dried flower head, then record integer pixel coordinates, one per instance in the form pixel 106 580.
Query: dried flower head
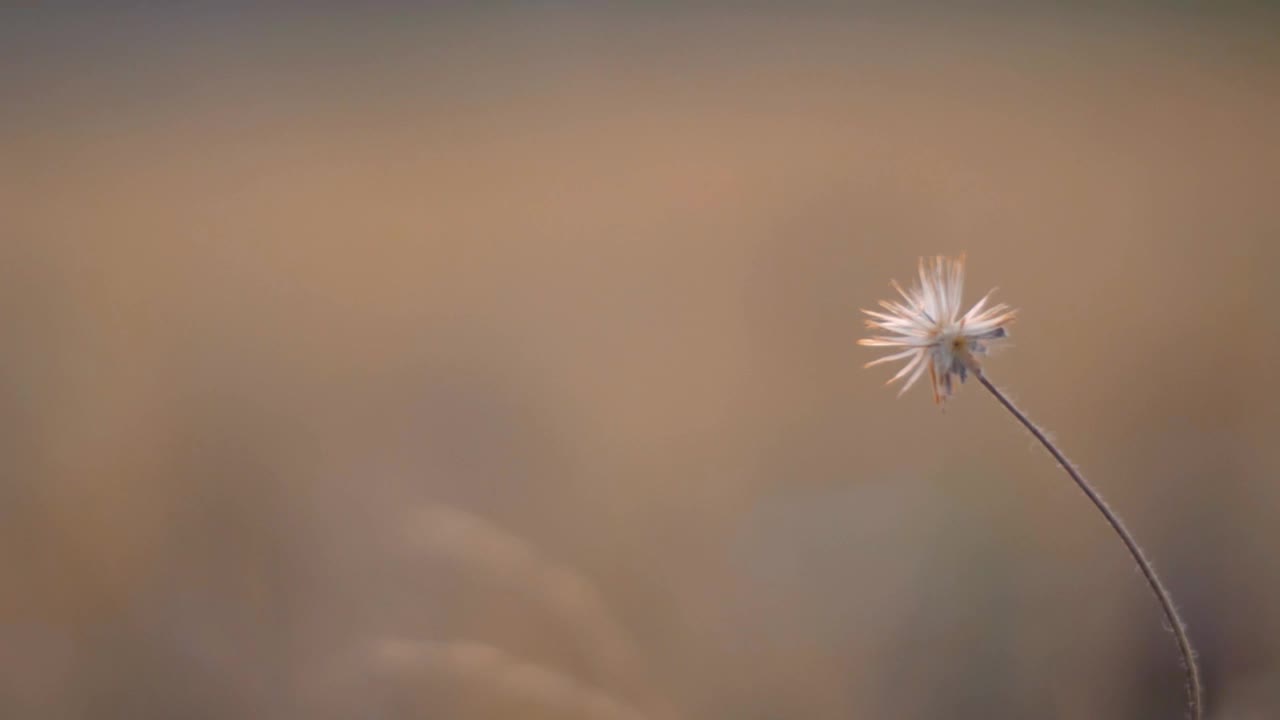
pixel 930 329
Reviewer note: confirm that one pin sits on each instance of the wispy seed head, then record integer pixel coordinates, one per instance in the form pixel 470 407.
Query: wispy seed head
pixel 929 331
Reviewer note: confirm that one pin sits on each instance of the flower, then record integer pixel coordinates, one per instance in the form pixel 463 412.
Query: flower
pixel 930 329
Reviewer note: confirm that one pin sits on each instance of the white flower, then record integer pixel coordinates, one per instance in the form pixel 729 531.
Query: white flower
pixel 930 329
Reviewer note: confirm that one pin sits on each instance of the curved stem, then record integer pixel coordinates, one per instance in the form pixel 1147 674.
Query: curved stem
pixel 1194 690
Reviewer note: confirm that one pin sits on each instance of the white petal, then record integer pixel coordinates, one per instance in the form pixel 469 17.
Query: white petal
pixel 977 307
pixel 909 297
pixel 920 355
pixel 957 285
pixel 880 341
pixel 914 377
pixel 891 358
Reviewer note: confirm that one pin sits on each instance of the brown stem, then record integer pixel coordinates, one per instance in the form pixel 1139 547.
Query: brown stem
pixel 1194 690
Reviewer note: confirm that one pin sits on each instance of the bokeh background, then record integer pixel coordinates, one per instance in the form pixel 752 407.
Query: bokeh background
pixel 499 362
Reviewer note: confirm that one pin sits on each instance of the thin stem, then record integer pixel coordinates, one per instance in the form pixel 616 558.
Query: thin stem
pixel 1194 690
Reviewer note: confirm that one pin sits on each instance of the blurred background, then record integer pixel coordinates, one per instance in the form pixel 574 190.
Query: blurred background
pixel 500 362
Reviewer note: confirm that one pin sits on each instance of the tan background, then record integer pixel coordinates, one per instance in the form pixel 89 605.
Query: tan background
pixel 502 363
